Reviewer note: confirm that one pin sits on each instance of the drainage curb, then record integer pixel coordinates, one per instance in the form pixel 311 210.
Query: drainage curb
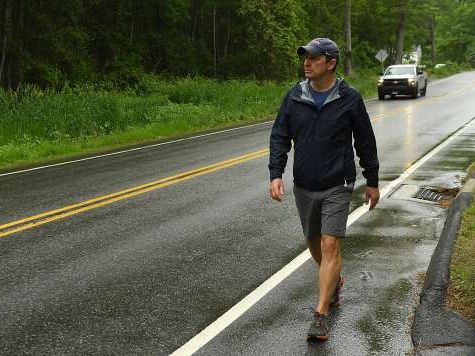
pixel 435 324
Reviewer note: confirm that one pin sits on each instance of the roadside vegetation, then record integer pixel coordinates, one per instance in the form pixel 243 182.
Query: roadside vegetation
pixel 462 272
pixel 40 125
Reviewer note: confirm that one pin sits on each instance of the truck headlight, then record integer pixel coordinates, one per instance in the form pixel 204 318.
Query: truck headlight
pixel 411 81
pixel 380 81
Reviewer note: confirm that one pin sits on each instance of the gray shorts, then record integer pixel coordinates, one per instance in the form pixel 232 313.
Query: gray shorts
pixel 324 212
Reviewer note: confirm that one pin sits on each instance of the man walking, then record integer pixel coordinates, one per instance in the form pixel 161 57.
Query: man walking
pixel 321 115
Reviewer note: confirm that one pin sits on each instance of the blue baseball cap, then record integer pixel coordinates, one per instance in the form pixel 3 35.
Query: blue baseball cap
pixel 320 46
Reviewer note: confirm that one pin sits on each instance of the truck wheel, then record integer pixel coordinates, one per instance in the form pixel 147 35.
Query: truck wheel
pixel 380 96
pixel 415 92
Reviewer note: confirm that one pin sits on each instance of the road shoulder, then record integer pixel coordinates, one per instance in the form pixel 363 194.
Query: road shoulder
pixel 435 325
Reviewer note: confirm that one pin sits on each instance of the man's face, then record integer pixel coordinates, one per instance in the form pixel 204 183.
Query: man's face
pixel 318 66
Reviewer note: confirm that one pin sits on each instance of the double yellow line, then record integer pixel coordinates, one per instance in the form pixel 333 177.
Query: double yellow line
pixel 53 215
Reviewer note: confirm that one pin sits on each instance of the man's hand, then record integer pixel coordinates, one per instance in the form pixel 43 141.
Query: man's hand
pixel 277 189
pixel 372 197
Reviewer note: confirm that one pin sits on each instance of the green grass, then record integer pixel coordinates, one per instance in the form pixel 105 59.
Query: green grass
pixel 38 126
pixel 366 81
pixel 462 272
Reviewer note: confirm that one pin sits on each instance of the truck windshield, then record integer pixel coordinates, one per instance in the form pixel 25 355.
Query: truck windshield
pixel 399 70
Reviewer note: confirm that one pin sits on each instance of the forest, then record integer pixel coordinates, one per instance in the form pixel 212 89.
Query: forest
pixel 50 43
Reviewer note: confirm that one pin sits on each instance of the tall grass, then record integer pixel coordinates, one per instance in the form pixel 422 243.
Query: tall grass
pixel 32 115
pixel 38 125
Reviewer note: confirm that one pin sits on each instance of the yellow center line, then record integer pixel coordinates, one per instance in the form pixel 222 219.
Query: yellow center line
pixel 53 215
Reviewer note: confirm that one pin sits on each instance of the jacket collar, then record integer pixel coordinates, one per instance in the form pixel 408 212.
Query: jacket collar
pixel 306 97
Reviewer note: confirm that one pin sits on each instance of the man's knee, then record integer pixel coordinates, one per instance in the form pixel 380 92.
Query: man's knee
pixel 330 245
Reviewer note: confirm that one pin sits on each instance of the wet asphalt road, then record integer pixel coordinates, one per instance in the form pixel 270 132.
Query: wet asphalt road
pixel 146 274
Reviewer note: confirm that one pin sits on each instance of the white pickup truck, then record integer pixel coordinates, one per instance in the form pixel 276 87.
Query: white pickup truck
pixel 402 79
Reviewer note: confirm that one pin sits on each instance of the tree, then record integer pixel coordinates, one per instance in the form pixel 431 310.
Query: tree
pixel 347 37
pixel 50 43
pixel 401 31
pixel 273 32
pixel 7 33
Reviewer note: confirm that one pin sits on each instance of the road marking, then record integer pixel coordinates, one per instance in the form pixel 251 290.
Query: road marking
pixel 61 213
pixel 146 147
pixel 212 330
pixel 133 149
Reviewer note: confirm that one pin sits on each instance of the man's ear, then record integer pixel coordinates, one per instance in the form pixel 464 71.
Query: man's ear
pixel 332 64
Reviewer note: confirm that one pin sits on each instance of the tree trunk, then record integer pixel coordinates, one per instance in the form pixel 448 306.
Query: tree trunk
pixel 195 20
pixel 226 44
pixel 132 28
pixel 401 32
pixel 348 38
pixel 18 31
pixel 9 73
pixel 6 38
pixel 214 42
pixel 432 35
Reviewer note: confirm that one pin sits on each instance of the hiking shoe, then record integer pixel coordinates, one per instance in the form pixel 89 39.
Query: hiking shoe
pixel 318 330
pixel 335 299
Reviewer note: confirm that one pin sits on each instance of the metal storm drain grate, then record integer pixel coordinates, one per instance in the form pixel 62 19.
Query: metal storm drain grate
pixel 430 195
pixel 425 194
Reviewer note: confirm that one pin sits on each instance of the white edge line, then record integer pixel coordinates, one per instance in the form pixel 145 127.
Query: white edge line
pixel 133 149
pixel 208 333
pixel 140 148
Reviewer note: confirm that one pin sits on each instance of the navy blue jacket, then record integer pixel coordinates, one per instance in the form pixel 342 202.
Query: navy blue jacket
pixel 323 152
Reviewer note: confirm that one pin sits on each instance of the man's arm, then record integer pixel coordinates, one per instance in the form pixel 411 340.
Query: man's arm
pixel 365 146
pixel 280 144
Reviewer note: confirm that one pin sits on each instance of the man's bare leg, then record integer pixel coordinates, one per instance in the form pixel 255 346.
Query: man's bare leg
pixel 315 249
pixel 330 269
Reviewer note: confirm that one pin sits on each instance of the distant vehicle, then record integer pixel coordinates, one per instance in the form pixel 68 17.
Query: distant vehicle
pixel 439 65
pixel 402 79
